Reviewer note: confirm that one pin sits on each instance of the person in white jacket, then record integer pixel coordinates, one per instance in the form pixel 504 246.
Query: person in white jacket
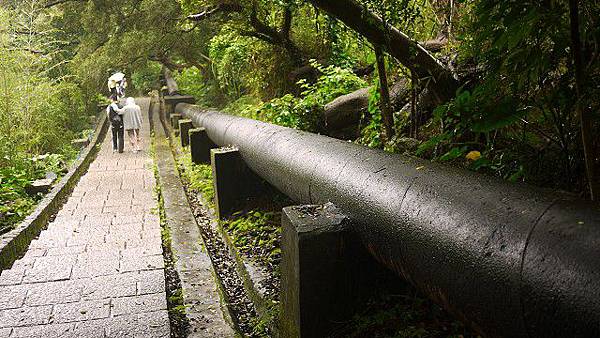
pixel 132 122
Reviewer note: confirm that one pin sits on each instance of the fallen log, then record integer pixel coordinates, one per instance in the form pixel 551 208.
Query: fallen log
pixel 347 110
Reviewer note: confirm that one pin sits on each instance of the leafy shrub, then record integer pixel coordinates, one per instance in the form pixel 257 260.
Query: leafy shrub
pixel 257 233
pixel 371 133
pixel 304 112
pixel 201 180
pixel 41 112
pixel 285 111
pixel 15 204
pixel 333 82
pixel 246 106
pixel 145 79
pixel 401 313
pixel 191 82
pixel 230 53
pixel 520 110
pixel 199 176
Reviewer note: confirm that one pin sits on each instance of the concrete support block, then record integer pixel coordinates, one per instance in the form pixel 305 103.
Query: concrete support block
pixel 233 181
pixel 200 146
pixel 42 186
pixel 175 121
pixel 80 143
pixel 325 272
pixel 171 101
pixel 184 128
pixel 164 91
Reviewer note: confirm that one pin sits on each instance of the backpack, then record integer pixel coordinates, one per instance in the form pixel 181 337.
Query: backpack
pixel 113 116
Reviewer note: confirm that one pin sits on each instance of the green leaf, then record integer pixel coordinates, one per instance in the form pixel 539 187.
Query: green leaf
pixel 517 175
pixel 498 117
pixel 453 154
pixel 432 142
pixel 481 162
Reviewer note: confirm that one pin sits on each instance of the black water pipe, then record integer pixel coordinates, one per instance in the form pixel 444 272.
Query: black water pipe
pixel 509 259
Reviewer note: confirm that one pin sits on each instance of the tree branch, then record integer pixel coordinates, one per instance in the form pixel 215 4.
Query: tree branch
pixel 278 38
pixel 222 8
pixel 58 2
pixel 260 36
pixel 172 87
pixel 386 107
pixel 287 23
pixel 399 45
pixel 263 28
pixel 29 50
pixel 585 119
pixel 170 64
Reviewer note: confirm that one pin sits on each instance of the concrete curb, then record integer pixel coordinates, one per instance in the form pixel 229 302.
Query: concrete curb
pixel 202 289
pixel 14 243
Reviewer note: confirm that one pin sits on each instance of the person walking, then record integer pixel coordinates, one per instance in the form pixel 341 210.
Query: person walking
pixel 121 86
pixel 116 124
pixel 112 87
pixel 132 121
pixel 117 84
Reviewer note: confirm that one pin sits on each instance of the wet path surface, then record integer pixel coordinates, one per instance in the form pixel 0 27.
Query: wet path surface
pixel 98 269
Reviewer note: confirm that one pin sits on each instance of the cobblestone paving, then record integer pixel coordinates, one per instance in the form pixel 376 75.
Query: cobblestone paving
pixel 97 270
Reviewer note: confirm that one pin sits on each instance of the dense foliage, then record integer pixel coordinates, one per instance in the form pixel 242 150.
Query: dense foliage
pixel 41 107
pixel 519 109
pixel 516 106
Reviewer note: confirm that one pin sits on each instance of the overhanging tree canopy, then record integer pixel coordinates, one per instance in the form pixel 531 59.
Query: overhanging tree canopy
pixel 410 53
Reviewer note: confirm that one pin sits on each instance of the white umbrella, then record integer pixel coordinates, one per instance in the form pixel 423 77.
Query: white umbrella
pixel 117 77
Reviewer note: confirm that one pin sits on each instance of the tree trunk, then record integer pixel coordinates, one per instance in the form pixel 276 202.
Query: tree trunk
pixel 584 118
pixel 397 44
pixel 386 106
pixel 414 127
pixel 172 87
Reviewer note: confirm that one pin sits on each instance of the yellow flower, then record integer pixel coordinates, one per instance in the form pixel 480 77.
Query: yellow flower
pixel 473 155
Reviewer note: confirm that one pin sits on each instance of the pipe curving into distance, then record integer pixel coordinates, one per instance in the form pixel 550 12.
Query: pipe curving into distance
pixel 511 260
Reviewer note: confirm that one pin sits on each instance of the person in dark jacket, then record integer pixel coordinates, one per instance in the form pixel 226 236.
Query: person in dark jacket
pixel 115 117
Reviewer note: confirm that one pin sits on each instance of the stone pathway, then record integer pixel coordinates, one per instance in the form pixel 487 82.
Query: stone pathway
pixel 98 269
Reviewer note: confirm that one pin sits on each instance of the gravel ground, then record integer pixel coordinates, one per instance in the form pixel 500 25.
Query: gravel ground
pixel 242 309
pixel 178 320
